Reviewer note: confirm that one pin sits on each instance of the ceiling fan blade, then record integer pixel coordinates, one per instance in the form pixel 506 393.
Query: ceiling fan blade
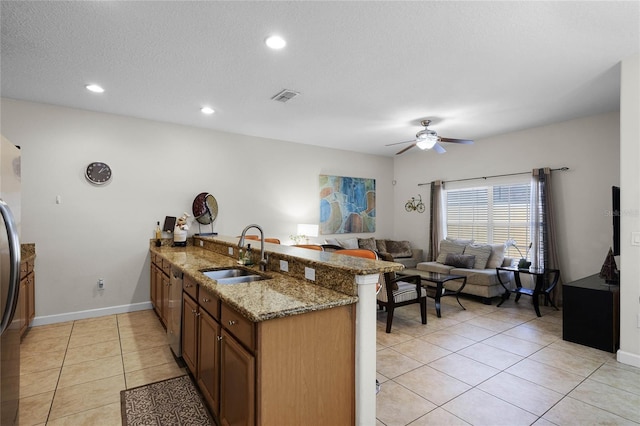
pixel 439 149
pixel 400 143
pixel 405 149
pixel 462 141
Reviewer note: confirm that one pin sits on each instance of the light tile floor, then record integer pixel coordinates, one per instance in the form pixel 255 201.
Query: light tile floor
pixel 72 373
pixel 497 366
pixel 482 366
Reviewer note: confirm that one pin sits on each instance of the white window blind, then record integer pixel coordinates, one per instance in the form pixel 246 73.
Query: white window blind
pixel 490 214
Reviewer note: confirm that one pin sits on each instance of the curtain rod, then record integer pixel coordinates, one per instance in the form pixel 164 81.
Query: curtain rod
pixel 563 169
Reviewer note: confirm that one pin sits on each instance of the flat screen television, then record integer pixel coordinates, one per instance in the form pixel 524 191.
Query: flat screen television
pixel 615 213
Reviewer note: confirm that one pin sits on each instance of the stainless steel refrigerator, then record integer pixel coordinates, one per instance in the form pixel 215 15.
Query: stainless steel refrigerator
pixel 9 282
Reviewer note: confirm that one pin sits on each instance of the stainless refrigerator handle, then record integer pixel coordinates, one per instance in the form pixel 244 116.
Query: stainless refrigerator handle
pixel 14 275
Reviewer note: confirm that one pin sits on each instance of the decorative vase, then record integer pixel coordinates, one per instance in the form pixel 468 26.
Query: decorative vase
pixel 523 264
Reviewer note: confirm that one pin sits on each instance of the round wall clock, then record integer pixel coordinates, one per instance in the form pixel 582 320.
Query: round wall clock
pixel 98 173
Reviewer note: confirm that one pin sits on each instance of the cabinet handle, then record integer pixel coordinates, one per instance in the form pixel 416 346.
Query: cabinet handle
pixel 198 314
pixel 232 322
pixel 219 338
pixel 193 311
pixel 205 300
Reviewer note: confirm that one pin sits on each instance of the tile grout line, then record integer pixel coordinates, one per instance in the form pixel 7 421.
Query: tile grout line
pixel 55 391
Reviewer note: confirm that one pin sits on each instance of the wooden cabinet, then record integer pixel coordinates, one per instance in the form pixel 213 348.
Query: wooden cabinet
pixel 291 370
pixel 159 286
pixel 208 360
pixel 237 383
pixel 189 332
pixel 25 310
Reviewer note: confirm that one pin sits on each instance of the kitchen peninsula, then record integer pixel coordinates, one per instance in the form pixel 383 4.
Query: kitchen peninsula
pixel 282 350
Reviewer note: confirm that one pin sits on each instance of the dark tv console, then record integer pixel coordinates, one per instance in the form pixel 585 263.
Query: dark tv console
pixel 591 313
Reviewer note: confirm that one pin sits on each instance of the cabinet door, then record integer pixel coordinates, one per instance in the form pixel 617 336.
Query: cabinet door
pixel 237 383
pixel 21 309
pixel 164 298
pixel 209 360
pixel 189 332
pixel 152 285
pixel 31 298
pixel 157 283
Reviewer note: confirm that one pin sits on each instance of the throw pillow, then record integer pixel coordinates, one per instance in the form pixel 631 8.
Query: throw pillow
pixel 381 246
pixel 332 241
pixel 367 243
pixel 448 246
pixel 465 261
pixel 497 256
pixel 349 243
pixel 481 252
pixel 399 248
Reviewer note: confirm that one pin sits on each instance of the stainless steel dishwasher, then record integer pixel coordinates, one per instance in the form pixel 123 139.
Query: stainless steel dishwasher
pixel 174 314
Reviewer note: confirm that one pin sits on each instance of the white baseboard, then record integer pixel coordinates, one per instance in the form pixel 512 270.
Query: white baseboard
pixel 93 313
pixel 628 358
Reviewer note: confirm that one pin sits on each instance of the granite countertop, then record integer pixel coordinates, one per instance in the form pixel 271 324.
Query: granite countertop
pixel 27 252
pixel 279 296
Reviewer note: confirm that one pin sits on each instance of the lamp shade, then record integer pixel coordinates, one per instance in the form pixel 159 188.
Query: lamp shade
pixel 308 230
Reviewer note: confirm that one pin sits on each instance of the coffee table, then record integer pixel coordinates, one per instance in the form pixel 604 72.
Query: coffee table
pixel 439 280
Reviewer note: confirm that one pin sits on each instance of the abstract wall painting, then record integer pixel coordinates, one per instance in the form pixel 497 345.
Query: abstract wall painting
pixel 347 205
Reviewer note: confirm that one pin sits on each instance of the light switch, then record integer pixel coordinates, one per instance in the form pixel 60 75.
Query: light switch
pixel 635 238
pixel 310 273
pixel 58 199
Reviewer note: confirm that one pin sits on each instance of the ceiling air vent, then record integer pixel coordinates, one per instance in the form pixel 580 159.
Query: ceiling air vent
pixel 285 95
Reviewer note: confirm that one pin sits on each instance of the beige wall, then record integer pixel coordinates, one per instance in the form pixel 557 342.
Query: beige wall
pixel 629 352
pixel 588 146
pixel 159 168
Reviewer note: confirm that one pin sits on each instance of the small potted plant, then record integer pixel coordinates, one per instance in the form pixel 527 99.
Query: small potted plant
pixel 297 239
pixel 523 263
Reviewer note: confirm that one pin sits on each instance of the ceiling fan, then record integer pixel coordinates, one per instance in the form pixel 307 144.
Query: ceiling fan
pixel 429 139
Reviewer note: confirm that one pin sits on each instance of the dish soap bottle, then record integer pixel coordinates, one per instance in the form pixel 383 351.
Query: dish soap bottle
pixel 247 256
pixel 158 235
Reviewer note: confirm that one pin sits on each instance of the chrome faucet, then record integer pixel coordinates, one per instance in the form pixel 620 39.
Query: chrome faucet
pixel 263 259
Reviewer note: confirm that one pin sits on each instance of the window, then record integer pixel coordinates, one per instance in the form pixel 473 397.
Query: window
pixel 490 214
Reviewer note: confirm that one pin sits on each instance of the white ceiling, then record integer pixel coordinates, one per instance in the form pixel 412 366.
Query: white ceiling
pixel 367 71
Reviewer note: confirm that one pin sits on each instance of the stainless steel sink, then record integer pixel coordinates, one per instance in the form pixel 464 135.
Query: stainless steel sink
pixel 234 275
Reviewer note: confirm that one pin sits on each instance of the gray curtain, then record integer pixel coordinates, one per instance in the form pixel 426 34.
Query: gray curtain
pixel 544 251
pixel 436 219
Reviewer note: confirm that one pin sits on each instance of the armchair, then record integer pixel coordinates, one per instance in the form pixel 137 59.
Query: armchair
pixel 400 291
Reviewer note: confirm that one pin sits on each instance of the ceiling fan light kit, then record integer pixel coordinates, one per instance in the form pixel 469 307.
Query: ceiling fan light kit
pixel 428 139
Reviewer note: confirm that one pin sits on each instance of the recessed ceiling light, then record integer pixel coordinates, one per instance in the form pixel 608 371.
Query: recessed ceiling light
pixel 94 88
pixel 275 42
pixel 207 110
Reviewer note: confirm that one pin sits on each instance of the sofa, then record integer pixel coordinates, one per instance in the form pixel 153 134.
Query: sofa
pixel 477 262
pixel 401 251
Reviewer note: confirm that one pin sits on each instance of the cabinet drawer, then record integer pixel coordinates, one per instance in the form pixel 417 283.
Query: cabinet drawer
pixel 190 287
pixel 239 326
pixel 209 303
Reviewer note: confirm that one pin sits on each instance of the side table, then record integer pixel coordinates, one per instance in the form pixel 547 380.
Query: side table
pixel 543 285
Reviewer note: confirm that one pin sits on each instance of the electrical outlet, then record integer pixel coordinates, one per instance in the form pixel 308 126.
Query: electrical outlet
pixel 310 273
pixel 201 243
pixel 100 284
pixel 284 266
pixel 230 251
